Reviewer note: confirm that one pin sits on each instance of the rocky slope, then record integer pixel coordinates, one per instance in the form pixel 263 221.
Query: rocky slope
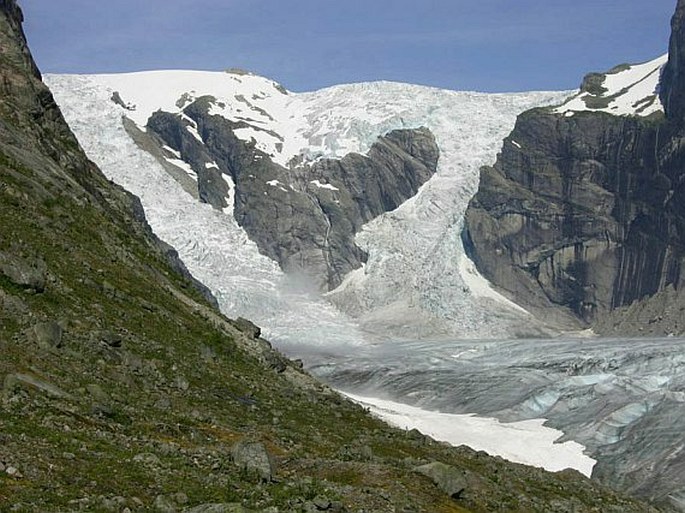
pixel 581 215
pixel 125 390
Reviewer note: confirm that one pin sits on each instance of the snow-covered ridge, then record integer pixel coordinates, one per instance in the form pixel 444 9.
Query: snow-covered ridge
pixel 626 91
pixel 257 102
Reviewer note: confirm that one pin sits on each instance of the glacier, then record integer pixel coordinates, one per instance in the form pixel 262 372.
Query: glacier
pixel 622 400
pixel 411 284
pixel 416 324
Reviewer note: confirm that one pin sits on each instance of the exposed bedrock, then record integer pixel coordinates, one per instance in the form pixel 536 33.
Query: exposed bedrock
pixel 584 214
pixel 305 217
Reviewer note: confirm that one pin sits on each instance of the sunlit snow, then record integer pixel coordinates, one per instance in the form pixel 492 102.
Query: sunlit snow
pixel 320 185
pixel 632 91
pixel 527 441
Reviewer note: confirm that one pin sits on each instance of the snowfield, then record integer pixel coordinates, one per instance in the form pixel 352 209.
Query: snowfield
pixel 527 441
pixel 633 91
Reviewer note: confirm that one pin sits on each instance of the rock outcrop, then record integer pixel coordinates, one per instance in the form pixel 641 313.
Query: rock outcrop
pixel 304 217
pixel 673 79
pixel 582 214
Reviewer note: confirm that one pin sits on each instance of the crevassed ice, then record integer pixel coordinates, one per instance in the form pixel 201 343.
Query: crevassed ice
pixel 210 242
pixel 415 251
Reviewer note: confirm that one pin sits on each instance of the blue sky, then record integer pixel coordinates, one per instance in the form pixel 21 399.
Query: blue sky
pixel 483 45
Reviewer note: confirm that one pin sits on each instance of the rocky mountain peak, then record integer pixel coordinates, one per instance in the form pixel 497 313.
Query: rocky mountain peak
pixel 15 18
pixel 673 79
pixel 581 209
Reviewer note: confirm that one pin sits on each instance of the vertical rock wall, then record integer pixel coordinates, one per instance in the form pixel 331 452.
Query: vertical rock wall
pixel 584 214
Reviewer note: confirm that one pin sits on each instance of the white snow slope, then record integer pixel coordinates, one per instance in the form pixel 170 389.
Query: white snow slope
pixel 526 441
pixel 629 91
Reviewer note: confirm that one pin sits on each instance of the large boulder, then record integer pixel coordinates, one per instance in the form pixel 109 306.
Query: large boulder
pixel 253 458
pixel 449 479
pixel 25 273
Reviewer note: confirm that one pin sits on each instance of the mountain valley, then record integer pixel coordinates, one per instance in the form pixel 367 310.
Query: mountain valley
pixel 349 224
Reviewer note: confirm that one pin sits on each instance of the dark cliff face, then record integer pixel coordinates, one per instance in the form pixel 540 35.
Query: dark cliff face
pixel 585 213
pixel 304 217
pixel 673 80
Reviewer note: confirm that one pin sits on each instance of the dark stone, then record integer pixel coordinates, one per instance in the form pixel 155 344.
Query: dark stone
pixel 253 458
pixel 309 230
pixel 48 335
pixel 275 361
pixel 116 98
pixel 102 410
pixel 218 508
pixel 248 327
pixel 592 83
pixel 109 338
pixel 25 273
pixel 322 503
pixel 447 478
pixel 28 382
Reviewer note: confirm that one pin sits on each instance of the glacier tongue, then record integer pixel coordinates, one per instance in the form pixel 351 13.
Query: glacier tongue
pixel 416 282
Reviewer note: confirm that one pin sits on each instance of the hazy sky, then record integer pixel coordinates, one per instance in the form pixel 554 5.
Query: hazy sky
pixel 484 45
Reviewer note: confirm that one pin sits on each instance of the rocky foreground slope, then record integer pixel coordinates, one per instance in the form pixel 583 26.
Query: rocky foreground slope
pixel 125 390
pixel 582 217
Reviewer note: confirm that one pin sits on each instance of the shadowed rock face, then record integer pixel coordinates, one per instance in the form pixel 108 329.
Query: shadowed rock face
pixel 673 79
pixel 585 214
pixel 304 217
pixel 40 155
